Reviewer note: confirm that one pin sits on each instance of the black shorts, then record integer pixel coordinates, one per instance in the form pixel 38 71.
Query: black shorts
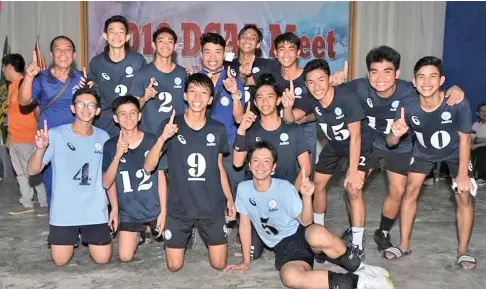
pixel 398 163
pixel 293 248
pixel 137 227
pixel 421 166
pixel 177 231
pixel 98 234
pixel 329 160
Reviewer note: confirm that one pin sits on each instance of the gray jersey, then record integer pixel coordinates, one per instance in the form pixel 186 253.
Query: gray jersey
pixel 112 79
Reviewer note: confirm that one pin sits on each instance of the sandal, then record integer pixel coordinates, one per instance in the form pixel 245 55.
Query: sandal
pixel 465 258
pixel 396 252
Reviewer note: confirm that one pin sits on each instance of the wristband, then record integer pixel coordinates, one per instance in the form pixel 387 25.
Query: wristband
pixel 240 143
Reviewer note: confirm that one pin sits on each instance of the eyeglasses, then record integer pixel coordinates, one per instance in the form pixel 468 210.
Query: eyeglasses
pixel 81 105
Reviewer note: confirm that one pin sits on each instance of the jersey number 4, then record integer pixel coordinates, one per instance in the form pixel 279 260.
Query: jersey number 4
pixel 144 184
pixel 83 175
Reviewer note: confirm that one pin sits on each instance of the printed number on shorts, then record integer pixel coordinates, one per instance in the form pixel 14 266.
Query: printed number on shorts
pixel 197 164
pixel 362 161
pixel 140 174
pixel 339 132
pixel 83 175
pixel 272 229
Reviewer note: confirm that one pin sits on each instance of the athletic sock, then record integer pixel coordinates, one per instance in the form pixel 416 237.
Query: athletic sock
pixel 319 218
pixel 386 224
pixel 358 233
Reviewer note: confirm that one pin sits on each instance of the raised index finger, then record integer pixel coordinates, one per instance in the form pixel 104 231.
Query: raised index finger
pixel 248 107
pixel 45 125
pixel 120 136
pixel 34 57
pixel 346 69
pixel 292 86
pixel 84 73
pixel 172 116
pixel 402 114
pixel 229 72
pixel 303 175
pixel 151 84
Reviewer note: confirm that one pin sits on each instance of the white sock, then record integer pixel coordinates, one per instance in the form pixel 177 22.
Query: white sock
pixel 358 233
pixel 319 218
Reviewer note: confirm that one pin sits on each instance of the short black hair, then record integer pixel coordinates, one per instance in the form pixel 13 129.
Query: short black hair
pixel 254 27
pixel 16 60
pixel 200 79
pixel 383 53
pixel 164 30
pixel 287 37
pixel 481 105
pixel 128 98
pixel 428 60
pixel 315 65
pixel 262 145
pixel 268 79
pixel 85 90
pixel 213 38
pixel 116 19
pixel 53 42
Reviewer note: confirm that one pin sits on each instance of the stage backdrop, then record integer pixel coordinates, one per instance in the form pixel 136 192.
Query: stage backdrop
pixel 323 27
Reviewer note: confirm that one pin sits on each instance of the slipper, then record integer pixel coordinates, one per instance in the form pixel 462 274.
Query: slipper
pixel 464 258
pixel 396 252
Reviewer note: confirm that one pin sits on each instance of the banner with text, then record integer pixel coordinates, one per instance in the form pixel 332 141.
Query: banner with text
pixel 323 27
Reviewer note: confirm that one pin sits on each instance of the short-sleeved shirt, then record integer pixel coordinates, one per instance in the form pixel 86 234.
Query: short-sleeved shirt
pixel 137 191
pixel 78 197
pixel 260 66
pixel 334 119
pixel 22 125
pixel 169 96
pixel 290 143
pixel 195 190
pixel 273 213
pixel 223 104
pixel 112 79
pixel 479 132
pixel 45 87
pixel 437 132
pixel 381 111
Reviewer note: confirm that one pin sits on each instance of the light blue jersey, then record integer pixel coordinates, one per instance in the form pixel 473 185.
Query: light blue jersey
pixel 78 197
pixel 273 213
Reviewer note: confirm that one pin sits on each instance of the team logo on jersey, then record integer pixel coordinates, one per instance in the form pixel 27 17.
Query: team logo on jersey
pixel 369 102
pixel 167 234
pixel 210 138
pixel 123 160
pixel 284 139
pixel 412 160
pixel 318 111
pixel 225 101
pixel 339 113
pixel 255 70
pixel 129 71
pixel 298 92
pixel 181 139
pixel 247 93
pixel 446 117
pixel 258 139
pixel 415 120
pixel 177 82
pixel 252 202
pixel 273 206
pixel 70 146
pixel 394 105
pixel 233 72
pixel 105 76
pixel 98 148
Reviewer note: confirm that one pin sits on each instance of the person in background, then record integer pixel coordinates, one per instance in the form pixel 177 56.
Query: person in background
pixel 478 145
pixel 21 131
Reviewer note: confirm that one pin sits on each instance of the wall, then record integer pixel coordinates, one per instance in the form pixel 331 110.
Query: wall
pixel 23 21
pixel 465 49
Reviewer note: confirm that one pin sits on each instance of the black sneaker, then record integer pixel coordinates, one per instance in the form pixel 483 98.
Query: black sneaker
pixel 382 240
pixel 320 258
pixel 360 253
pixel 347 237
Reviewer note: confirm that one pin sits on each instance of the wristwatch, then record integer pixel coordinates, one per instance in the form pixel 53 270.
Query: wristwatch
pixel 236 97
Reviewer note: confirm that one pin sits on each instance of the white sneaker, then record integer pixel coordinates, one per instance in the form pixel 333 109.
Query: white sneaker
pixel 374 270
pixel 368 281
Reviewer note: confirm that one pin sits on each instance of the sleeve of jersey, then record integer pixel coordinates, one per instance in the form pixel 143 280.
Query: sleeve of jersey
pixel 240 204
pixel 305 104
pixel 357 85
pixel 137 87
pixel 465 116
pixel 224 146
pixel 355 110
pixel 37 87
pixel 302 146
pixel 107 156
pixel 295 201
pixel 49 154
